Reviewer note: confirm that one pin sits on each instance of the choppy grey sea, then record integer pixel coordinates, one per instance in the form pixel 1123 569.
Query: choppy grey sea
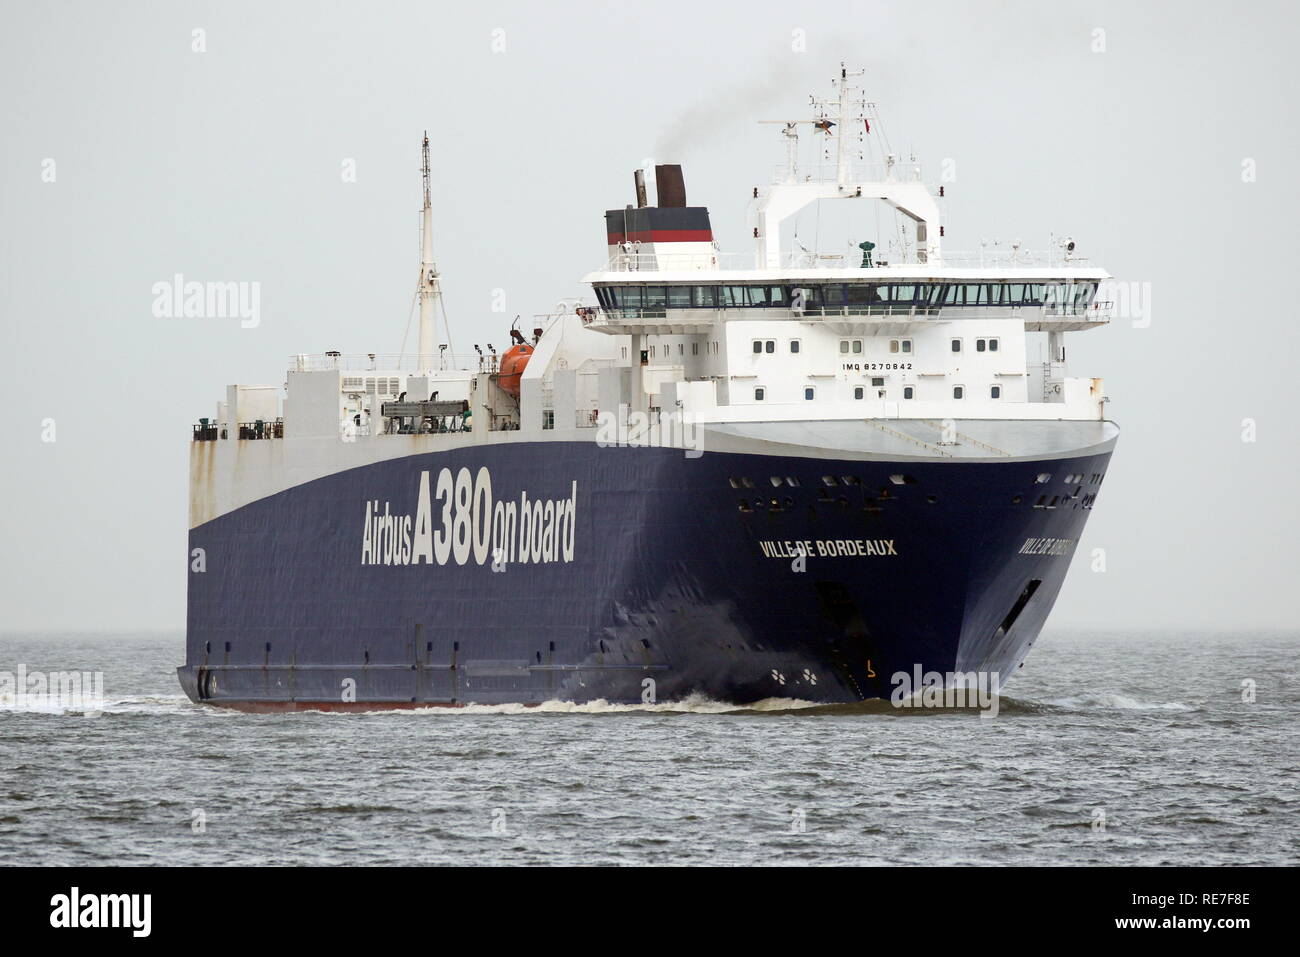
pixel 1152 748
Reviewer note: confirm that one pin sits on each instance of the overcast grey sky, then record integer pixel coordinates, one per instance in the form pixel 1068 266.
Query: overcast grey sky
pixel 226 165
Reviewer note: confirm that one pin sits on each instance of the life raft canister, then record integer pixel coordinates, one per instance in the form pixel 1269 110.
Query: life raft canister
pixel 512 367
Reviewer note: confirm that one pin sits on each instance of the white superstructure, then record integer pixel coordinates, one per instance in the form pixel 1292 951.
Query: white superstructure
pixel 907 350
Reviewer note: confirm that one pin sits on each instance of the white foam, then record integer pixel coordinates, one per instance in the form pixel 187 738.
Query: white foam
pixel 692 704
pixel 1118 702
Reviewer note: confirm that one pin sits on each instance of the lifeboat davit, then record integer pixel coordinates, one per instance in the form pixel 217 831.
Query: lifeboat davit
pixel 512 367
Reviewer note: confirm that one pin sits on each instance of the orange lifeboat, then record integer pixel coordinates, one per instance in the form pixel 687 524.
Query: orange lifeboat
pixel 512 367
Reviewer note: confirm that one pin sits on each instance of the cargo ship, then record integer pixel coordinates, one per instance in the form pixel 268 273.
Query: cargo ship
pixel 784 473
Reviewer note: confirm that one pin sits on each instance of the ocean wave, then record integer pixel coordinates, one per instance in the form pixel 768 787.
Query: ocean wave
pixel 53 704
pixel 1113 701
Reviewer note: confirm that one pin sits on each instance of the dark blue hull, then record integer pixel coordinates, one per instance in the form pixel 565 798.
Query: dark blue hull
pixel 677 582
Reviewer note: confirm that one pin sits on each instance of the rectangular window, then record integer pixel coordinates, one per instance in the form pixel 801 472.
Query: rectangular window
pixel 794 345
pixel 908 392
pixel 993 345
pixel 770 346
pixel 759 392
pixel 858 392
pixel 548 418
pixel 862 294
pixel 956 345
pixel 809 392
pixel 844 347
pixel 857 347
pixel 907 345
pixel 704 297
pixel 980 345
pixel 758 347
pixel 878 381
pixel 695 348
pixel 995 392
pixel 958 392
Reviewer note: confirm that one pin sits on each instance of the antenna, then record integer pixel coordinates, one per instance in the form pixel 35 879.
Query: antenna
pixel 429 286
pixel 424 169
pixel 845 99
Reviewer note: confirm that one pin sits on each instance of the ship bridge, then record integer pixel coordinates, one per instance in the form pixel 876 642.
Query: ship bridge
pixel 907 329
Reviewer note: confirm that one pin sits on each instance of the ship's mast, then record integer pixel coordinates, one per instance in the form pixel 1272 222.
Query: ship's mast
pixel 430 289
pixel 842 111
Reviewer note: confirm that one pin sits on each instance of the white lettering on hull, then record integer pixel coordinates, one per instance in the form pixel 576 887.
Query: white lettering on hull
pixel 460 522
pixel 830 548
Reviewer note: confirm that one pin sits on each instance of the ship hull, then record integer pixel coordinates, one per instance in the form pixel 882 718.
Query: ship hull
pixel 649 575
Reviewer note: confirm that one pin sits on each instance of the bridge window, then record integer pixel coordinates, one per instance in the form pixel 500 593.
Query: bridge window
pixel 1067 295
pixel 861 294
pixel 704 297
